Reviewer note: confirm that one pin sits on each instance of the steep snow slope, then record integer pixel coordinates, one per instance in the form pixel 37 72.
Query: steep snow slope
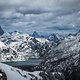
pixel 17 74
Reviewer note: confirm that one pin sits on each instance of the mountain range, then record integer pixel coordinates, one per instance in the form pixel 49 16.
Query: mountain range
pixel 58 53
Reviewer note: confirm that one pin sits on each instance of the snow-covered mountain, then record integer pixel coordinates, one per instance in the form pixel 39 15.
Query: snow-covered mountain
pixel 55 37
pixel 21 46
pixel 71 36
pixel 35 35
pixel 65 57
pixel 71 44
pixel 2 45
pixel 57 57
pixel 18 46
pixel 10 73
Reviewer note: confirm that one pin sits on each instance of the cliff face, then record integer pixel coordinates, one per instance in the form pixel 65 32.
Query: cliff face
pixel 1 31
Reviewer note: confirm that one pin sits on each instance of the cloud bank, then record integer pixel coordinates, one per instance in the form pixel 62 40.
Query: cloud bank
pixel 44 16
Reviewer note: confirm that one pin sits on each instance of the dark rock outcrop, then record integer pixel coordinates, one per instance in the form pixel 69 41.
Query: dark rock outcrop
pixel 1 31
pixel 35 35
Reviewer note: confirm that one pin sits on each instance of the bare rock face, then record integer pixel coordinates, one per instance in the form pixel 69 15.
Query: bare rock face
pixel 1 31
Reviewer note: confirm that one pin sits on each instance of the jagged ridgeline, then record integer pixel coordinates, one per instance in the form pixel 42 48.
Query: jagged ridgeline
pixel 59 54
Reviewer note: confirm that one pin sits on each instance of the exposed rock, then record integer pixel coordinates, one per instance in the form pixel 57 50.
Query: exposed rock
pixel 1 31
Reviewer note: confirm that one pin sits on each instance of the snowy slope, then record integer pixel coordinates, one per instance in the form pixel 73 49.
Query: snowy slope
pixel 65 56
pixel 42 40
pixel 2 45
pixel 17 74
pixel 18 46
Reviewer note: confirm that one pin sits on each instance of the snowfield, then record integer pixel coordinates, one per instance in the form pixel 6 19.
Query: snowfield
pixel 17 74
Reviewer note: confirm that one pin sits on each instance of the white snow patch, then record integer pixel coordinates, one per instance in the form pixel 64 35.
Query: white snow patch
pixel 2 45
pixel 17 74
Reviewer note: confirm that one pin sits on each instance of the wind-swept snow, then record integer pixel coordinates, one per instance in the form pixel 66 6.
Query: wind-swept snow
pixel 17 74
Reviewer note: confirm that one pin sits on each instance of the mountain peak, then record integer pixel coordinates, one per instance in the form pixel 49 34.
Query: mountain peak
pixel 1 31
pixel 55 37
pixel 78 31
pixel 35 34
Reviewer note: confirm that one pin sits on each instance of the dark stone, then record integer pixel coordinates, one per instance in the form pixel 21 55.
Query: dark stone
pixel 1 31
pixel 4 76
pixel 35 35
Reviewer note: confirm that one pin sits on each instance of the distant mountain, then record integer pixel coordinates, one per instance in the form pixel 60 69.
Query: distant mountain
pixel 1 31
pixel 18 47
pixel 72 35
pixel 16 43
pixel 65 56
pixel 55 37
pixel 35 35
pixel 78 33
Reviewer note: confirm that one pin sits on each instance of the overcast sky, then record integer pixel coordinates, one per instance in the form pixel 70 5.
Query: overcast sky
pixel 43 16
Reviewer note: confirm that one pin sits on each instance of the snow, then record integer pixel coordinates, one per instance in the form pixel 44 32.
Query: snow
pixel 55 37
pixel 14 45
pixel 2 45
pixel 17 45
pixel 17 74
pixel 42 40
pixel 11 74
pixel 20 47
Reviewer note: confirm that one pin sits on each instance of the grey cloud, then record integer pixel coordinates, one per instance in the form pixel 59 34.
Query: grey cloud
pixel 33 11
pixel 59 27
pixel 48 15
